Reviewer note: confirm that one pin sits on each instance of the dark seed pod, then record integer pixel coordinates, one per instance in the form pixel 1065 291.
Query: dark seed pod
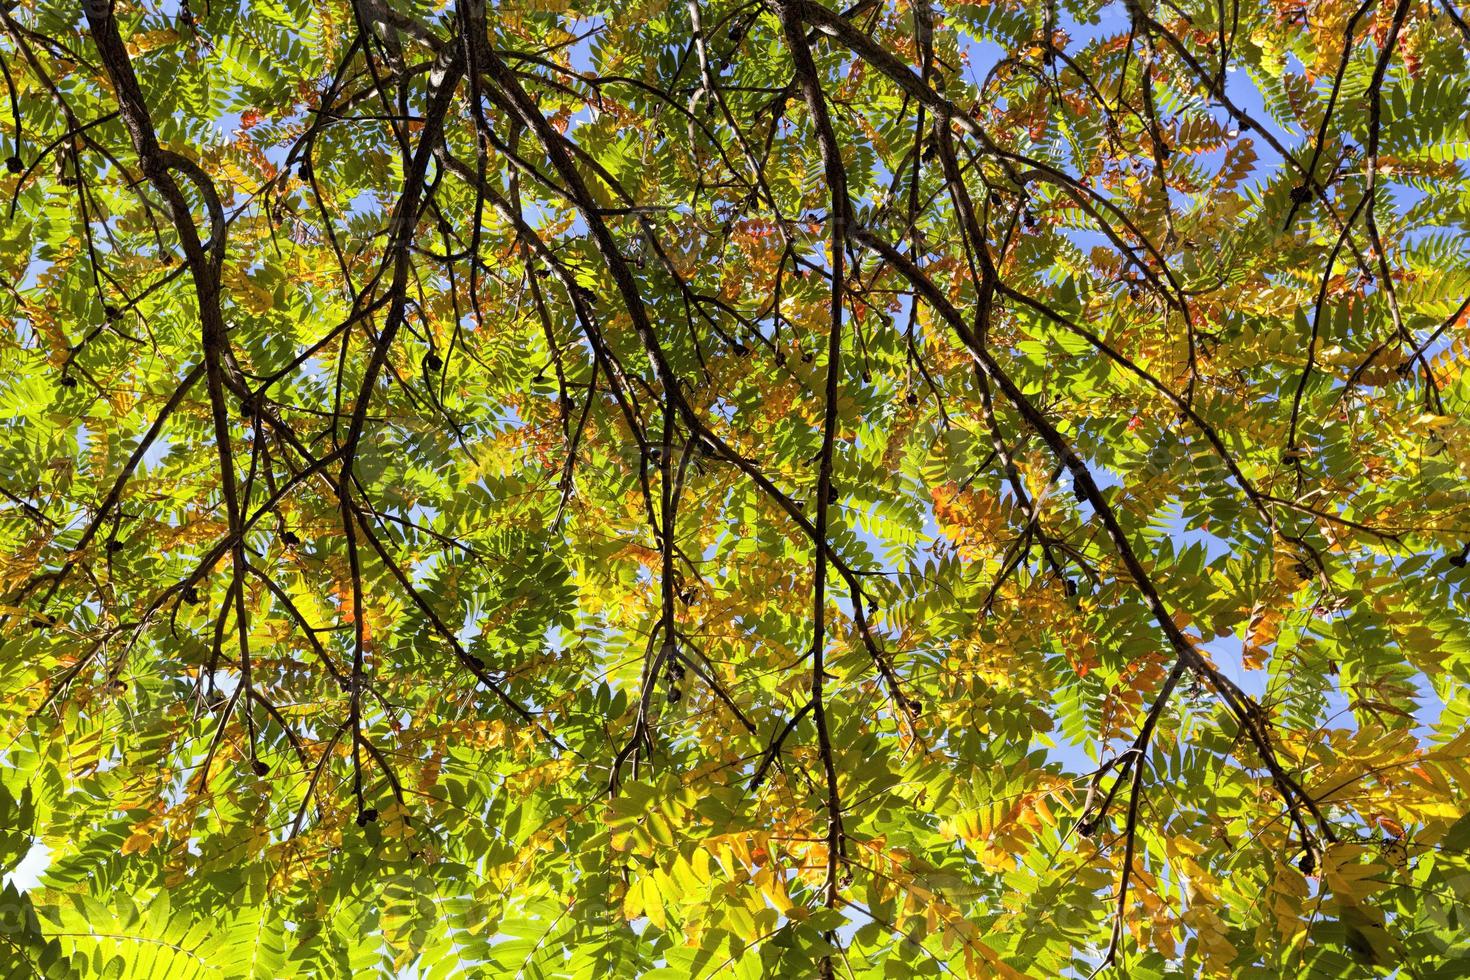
pixel 911 398
pixel 111 312
pixel 432 362
pixel 1071 586
pixel 1308 863
pixel 191 596
pixel 15 165
pixel 366 817
pixel 114 546
pixel 259 768
pixel 1458 560
pixel 67 381
pixel 290 539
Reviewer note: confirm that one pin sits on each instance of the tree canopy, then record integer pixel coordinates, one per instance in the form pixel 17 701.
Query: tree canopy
pixel 740 488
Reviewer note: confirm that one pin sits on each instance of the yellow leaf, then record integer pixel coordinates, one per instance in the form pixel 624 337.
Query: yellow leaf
pixel 773 886
pixel 653 902
pixel 1350 880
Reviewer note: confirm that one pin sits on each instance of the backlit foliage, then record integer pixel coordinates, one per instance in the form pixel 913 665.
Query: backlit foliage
pixel 671 488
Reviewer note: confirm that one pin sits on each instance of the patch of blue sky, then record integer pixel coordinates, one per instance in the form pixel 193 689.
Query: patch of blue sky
pixel 28 871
